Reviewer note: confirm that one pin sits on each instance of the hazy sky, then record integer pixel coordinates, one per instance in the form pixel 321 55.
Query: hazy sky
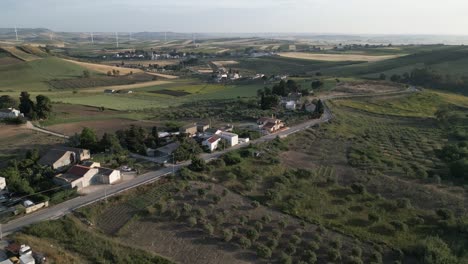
pixel 306 16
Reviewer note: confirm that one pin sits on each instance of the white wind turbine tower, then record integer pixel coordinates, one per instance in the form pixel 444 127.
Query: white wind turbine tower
pixel 165 36
pixel 92 38
pixel 16 33
pixel 117 39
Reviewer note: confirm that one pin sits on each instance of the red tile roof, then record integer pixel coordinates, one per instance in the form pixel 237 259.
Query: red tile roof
pixel 78 170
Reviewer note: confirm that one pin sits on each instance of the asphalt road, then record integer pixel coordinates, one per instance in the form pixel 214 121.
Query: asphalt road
pixel 59 210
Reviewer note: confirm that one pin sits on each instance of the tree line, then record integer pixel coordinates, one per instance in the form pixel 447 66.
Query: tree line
pixel 40 109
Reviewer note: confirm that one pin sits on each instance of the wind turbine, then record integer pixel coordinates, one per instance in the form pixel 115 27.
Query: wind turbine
pixel 117 39
pixel 165 36
pixel 16 33
pixel 92 38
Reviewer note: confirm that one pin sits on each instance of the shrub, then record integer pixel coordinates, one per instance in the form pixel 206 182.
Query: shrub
pixel 295 239
pixel 358 188
pixel 290 248
pixel 255 204
pixel 373 217
pixel 272 243
pixel 376 257
pixel 276 233
pixel 356 251
pixel 400 226
pixel 310 257
pixel 232 158
pixel 434 250
pixel 227 235
pixel 355 260
pixel 202 192
pixel 263 251
pixel 404 203
pixel 192 221
pixel 252 234
pixel 266 219
pixel 244 242
pixel 313 246
pixel 445 214
pixel 285 258
pixel 336 244
pixel 243 220
pixel 283 224
pixel 334 255
pixel 208 228
pixel 258 226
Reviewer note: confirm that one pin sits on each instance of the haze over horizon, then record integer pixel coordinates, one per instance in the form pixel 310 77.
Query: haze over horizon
pixel 259 16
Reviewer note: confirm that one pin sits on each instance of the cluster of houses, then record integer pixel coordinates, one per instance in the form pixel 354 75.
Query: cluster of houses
pixel 22 254
pixel 76 169
pixel 10 113
pixel 212 138
pixel 223 75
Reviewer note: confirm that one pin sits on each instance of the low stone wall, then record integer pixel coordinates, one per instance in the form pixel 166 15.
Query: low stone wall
pixel 36 207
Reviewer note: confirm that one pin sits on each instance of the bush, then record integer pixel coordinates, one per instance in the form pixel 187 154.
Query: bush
pixel 258 226
pixel 192 221
pixel 376 257
pixel 445 214
pixel 313 246
pixel 310 256
pixel 245 242
pixel 434 250
pixel 227 235
pixel 266 219
pixel 398 225
pixel 208 228
pixel 358 188
pixel 252 234
pixel 263 251
pixel 356 251
pixel 336 244
pixel 290 248
pixel 285 258
pixel 232 158
pixel 334 255
pixel 355 260
pixel 255 204
pixel 295 239
pixel 372 217
pixel 404 203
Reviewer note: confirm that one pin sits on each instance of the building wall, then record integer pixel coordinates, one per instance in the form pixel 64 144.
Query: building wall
pixel 2 183
pixel 65 161
pixel 112 178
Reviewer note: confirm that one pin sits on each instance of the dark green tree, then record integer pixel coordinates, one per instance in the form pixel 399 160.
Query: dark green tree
pixel 26 106
pixel 43 106
pixel 88 139
pixel 7 101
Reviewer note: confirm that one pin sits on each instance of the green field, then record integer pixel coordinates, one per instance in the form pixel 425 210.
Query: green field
pixel 33 76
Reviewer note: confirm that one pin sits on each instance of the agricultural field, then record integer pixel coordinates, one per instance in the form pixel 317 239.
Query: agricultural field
pixel 15 141
pixel 335 57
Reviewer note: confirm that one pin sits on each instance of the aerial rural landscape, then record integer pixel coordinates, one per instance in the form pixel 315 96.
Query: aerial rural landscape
pixel 156 146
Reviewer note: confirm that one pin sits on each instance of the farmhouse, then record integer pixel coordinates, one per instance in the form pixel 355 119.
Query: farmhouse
pixel 202 127
pixel 80 176
pixel 231 138
pixel 166 150
pixel 269 125
pixel 10 113
pixel 77 176
pixel 58 159
pixel 189 129
pixel 212 142
pixel 61 157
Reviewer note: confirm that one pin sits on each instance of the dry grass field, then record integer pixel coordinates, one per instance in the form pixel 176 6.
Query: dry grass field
pixel 101 68
pixel 335 57
pixel 224 63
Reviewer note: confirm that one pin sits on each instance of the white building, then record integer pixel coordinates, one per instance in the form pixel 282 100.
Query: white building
pixel 231 138
pixel 212 142
pixel 290 105
pixel 10 113
pixel 2 183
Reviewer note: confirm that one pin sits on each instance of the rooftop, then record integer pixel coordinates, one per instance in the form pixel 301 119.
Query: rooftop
pixel 52 156
pixel 78 170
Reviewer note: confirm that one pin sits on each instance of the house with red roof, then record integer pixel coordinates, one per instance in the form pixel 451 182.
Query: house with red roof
pixel 212 142
pixel 269 125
